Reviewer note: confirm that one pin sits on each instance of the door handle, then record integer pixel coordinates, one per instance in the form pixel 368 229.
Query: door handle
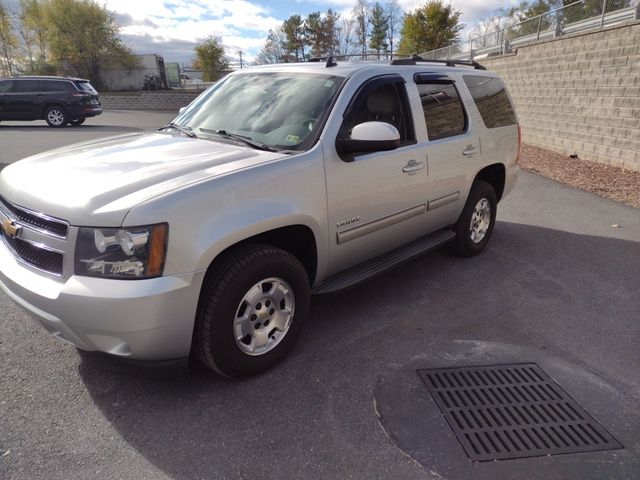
pixel 470 150
pixel 412 167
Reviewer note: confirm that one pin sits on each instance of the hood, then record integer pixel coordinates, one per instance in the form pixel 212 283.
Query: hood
pixel 96 183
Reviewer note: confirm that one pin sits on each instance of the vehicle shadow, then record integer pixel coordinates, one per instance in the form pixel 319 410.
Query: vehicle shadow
pixel 573 296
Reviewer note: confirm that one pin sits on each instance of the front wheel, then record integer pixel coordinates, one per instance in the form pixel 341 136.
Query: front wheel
pixel 251 310
pixel 475 225
pixel 56 116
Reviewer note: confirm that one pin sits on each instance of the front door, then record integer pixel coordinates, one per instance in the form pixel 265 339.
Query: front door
pixel 376 201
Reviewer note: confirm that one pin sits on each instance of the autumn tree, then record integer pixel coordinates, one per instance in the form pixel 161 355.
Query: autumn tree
pixel 432 26
pixel 84 38
pixel 210 58
pixel 34 29
pixel 379 25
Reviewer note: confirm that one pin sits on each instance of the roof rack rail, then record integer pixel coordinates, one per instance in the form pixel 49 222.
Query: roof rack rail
pixel 448 62
pixel 329 59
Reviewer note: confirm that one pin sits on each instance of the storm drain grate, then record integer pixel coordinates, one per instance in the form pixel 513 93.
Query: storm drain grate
pixel 513 411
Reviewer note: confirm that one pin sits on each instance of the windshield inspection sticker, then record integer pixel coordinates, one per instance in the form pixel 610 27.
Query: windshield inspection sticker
pixel 292 138
pixel 328 83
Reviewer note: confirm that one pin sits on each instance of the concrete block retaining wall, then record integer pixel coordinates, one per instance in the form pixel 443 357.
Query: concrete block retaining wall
pixel 158 100
pixel 579 95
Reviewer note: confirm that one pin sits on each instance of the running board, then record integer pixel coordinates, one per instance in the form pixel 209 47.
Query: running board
pixel 380 264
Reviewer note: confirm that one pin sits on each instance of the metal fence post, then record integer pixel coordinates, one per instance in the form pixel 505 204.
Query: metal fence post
pixel 539 26
pixel 604 10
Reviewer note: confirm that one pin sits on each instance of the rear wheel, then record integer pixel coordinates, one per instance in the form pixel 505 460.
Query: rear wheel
pixel 56 116
pixel 475 225
pixel 77 122
pixel 251 310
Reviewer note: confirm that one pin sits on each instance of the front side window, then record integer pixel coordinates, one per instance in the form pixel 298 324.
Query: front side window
pixel 386 102
pixel 443 110
pixel 492 100
pixel 25 86
pixel 5 86
pixel 279 110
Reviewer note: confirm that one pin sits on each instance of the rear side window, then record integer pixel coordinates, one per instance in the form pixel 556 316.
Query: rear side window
pixel 443 110
pixel 492 100
pixel 55 86
pixel 25 86
pixel 5 86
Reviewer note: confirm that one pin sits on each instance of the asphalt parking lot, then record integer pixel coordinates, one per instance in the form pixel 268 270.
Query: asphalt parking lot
pixel 558 286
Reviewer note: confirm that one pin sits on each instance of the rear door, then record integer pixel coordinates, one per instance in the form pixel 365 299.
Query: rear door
pixel 5 88
pixel 449 137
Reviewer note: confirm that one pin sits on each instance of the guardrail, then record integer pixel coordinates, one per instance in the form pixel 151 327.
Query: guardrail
pixel 574 18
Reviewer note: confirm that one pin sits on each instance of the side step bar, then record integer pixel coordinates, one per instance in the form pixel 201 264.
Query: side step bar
pixel 380 264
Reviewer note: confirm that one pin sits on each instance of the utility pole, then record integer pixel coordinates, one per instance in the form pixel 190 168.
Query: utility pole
pixel 240 52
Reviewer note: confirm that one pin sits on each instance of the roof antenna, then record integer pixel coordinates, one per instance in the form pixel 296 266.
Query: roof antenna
pixel 330 62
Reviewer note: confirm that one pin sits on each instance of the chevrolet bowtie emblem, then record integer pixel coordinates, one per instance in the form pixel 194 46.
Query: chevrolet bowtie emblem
pixel 10 228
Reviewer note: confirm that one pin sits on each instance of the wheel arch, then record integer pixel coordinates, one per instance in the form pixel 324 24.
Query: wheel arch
pixel 494 174
pixel 298 240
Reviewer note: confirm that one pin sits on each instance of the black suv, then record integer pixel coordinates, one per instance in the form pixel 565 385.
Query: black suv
pixel 58 100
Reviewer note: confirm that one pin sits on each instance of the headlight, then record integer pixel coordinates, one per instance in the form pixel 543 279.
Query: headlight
pixel 129 253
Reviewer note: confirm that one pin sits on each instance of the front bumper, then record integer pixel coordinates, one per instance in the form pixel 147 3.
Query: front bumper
pixel 140 319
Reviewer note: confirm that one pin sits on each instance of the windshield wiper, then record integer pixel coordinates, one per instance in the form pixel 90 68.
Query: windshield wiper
pixel 247 140
pixel 184 130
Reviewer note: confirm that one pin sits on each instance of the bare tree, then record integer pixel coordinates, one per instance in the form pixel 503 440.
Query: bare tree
pixel 345 34
pixel 361 14
pixel 273 50
pixel 8 41
pixel 395 16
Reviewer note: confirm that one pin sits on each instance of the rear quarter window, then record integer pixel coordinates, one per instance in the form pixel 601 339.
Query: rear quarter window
pixel 492 100
pixel 56 86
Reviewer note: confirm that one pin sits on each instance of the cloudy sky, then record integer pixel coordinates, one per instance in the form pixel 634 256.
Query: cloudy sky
pixel 171 28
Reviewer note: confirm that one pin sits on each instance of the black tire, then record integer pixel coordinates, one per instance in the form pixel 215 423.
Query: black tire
pixel 224 290
pixel 56 116
pixel 77 122
pixel 468 242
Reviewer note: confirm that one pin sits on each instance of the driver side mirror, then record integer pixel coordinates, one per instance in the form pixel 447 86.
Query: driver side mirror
pixel 370 137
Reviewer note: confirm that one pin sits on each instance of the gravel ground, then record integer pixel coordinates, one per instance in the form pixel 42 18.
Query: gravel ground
pixel 604 180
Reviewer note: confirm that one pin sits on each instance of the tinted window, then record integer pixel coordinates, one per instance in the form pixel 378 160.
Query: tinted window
pixel 25 86
pixel 5 86
pixel 443 110
pixel 492 100
pixel 384 103
pixel 85 87
pixel 55 86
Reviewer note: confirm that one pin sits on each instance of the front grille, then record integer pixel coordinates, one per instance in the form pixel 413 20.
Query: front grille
pixel 49 225
pixel 513 411
pixel 38 257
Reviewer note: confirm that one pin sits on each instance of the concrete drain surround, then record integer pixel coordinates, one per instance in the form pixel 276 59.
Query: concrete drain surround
pixel 504 412
pixel 411 416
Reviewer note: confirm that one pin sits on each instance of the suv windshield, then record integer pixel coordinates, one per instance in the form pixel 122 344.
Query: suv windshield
pixel 278 110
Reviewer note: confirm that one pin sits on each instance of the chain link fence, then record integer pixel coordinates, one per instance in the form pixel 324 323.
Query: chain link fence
pixel 576 17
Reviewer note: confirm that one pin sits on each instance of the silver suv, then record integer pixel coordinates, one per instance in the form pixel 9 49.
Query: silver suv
pixel 208 236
